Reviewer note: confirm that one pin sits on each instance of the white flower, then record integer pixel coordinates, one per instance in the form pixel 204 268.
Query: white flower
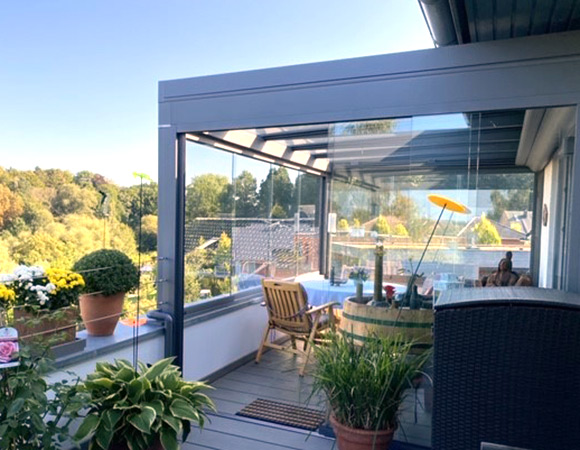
pixel 50 287
pixel 42 297
pixel 7 278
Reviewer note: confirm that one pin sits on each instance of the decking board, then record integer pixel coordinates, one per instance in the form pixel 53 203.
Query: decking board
pixel 276 378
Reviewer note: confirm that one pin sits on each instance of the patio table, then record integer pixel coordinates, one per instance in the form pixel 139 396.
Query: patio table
pixel 321 292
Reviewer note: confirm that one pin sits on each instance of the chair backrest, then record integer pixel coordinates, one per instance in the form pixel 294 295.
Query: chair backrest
pixel 287 305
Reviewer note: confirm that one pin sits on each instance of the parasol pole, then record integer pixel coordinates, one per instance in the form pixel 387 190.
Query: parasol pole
pixel 428 243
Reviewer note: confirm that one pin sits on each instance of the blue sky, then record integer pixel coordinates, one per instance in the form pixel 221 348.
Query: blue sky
pixel 78 79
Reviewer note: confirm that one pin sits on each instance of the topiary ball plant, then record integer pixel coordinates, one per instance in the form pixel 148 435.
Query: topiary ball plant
pixel 108 275
pixel 107 272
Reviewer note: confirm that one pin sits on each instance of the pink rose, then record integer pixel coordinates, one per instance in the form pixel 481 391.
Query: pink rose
pixel 7 350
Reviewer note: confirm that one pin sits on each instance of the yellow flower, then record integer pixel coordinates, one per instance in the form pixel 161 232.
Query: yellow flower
pixel 7 294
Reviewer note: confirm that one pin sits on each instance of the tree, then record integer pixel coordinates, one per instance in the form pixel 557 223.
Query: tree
pixel 7 264
pixel 148 234
pixel 130 201
pixel 241 196
pixel 276 189
pixel 403 207
pixel 11 206
pixel 278 212
pixel 36 215
pixel 382 226
pixel 400 230
pixel 486 232
pixel 366 127
pixel 204 196
pixel 54 177
pixel 223 253
pixel 41 248
pixel 512 200
pixel 361 214
pixel 343 225
pixel 306 189
pixel 72 199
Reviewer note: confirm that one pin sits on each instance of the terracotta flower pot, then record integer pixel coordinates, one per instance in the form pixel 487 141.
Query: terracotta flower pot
pixel 354 439
pixel 101 313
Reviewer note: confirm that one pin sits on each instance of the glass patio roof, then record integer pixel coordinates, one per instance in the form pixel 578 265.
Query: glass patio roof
pixel 372 150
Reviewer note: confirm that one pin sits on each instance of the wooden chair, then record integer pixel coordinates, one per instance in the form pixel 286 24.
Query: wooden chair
pixel 289 313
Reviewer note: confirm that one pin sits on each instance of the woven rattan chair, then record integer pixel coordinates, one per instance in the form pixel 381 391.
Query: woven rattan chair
pixel 289 313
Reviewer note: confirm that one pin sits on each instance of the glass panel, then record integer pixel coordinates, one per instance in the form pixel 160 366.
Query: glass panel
pixel 209 211
pixel 252 199
pixel 384 172
pixel 307 217
pixel 246 219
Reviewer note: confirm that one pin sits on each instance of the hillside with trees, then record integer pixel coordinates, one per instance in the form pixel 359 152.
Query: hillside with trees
pixel 53 217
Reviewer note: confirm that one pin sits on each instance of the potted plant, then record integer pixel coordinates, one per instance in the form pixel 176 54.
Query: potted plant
pixel 359 275
pixel 148 408
pixel 364 385
pixel 44 303
pixel 109 275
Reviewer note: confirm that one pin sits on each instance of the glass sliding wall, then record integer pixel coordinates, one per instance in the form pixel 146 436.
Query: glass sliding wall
pixel 246 219
pixel 384 172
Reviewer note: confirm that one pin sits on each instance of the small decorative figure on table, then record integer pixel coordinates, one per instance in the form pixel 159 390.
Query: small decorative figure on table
pixel 359 275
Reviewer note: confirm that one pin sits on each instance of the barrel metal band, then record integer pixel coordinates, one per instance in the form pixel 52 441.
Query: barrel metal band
pixel 358 337
pixel 391 323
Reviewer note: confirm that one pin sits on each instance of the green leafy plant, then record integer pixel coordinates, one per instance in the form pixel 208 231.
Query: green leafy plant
pixel 30 418
pixel 137 407
pixel 107 272
pixel 365 384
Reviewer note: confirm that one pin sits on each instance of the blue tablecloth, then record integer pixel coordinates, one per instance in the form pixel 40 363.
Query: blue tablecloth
pixel 321 292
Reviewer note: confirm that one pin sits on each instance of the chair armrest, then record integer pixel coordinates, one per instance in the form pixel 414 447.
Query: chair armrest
pixel 328 305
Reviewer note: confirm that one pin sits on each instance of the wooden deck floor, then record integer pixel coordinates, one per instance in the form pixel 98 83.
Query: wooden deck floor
pixel 276 378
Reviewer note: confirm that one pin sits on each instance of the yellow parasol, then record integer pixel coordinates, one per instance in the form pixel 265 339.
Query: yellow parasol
pixel 448 203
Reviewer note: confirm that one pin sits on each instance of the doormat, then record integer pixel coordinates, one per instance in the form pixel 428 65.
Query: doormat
pixel 283 414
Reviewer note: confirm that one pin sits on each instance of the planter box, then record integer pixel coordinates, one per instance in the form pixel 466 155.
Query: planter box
pixel 54 327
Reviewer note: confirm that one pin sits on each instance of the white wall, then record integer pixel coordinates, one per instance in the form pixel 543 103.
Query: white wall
pixel 149 352
pixel 209 345
pixel 212 345
pixel 545 276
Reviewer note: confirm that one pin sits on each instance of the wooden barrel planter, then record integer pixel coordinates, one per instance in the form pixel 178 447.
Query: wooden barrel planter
pixel 360 321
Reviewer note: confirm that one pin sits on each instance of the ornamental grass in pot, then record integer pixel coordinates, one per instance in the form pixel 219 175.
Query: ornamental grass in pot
pixel 109 275
pixel 148 408
pixel 365 386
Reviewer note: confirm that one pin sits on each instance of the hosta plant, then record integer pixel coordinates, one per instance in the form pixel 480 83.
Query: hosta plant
pixel 137 409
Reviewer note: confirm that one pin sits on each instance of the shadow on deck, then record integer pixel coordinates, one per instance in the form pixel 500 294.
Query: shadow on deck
pixel 276 378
